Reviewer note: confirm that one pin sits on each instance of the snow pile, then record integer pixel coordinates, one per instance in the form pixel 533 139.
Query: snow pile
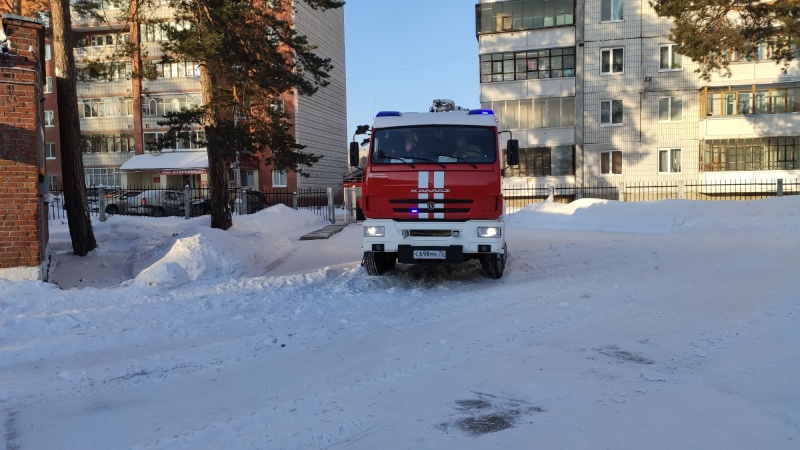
pixel 616 325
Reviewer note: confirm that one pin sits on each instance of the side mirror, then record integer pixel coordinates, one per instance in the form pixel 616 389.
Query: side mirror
pixel 512 152
pixel 354 159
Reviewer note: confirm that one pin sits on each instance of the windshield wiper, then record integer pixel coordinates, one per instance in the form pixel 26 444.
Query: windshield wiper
pixel 419 158
pixel 382 155
pixel 460 159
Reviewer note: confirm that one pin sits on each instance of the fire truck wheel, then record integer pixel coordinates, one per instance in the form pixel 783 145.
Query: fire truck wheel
pixel 378 263
pixel 493 264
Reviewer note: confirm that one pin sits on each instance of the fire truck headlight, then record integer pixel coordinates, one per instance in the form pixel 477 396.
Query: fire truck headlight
pixel 489 232
pixel 374 232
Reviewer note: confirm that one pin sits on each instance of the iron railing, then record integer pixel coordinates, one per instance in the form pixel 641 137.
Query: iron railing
pixel 323 201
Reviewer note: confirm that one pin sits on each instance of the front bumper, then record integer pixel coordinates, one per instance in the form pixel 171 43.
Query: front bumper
pixel 457 237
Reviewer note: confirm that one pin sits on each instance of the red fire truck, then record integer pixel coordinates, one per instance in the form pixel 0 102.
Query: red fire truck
pixel 431 190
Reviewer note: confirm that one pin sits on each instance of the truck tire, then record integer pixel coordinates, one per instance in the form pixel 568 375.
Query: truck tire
pixel 378 263
pixel 493 264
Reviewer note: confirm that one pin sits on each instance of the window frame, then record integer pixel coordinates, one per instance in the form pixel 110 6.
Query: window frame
pixel 611 53
pixel 280 178
pixel 671 52
pixel 609 5
pixel 670 108
pixel 49 118
pixel 670 159
pixel 611 162
pixel 611 122
pixel 50 150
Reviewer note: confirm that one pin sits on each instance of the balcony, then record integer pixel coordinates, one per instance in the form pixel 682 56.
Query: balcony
pixel 719 127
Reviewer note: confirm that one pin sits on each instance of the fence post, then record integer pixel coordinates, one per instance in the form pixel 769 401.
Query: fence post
pixel 331 208
pixel 681 189
pixel 101 202
pixel 779 189
pixel 243 208
pixel 187 202
pixel 621 188
pixel 294 201
pixel 348 205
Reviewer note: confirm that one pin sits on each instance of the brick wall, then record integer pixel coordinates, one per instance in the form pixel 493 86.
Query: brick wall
pixel 21 208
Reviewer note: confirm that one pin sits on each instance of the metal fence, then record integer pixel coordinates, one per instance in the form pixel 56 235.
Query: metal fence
pixel 123 200
pixel 518 197
pixel 173 201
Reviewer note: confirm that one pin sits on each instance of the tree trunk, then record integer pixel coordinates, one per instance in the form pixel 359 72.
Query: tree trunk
pixel 80 225
pixel 136 78
pixel 217 173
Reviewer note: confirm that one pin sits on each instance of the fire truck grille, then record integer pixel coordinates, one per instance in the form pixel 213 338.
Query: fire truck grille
pixel 438 205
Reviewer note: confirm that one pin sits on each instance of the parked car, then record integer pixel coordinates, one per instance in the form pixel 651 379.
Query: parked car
pixel 256 201
pixel 119 202
pixel 157 203
pixel 93 197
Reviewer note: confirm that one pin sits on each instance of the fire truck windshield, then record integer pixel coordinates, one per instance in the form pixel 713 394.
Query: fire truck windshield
pixel 437 144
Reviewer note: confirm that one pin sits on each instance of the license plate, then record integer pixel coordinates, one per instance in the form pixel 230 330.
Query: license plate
pixel 429 254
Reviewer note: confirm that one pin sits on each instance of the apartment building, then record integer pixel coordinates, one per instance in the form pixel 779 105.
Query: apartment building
pixel 597 94
pixel 119 130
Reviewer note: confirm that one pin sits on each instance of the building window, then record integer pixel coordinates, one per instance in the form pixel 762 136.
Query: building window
pixel 107 143
pixel 554 112
pixel 611 10
pixel 669 59
pixel 279 178
pixel 612 60
pixel 49 118
pixel 611 162
pixel 177 70
pixel 761 153
pixel 510 66
pixel 754 100
pixel 537 161
pixel 102 176
pixel 48 52
pixel 611 112
pixel 277 105
pixel 53 183
pixel 669 160
pixel 48 85
pixel 523 15
pixel 115 71
pixel 163 140
pixel 159 105
pixel 108 39
pixel 50 150
pixel 670 109
pixel 105 107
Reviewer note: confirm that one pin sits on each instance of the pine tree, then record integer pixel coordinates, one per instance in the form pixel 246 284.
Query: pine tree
pixel 249 54
pixel 75 202
pixel 708 30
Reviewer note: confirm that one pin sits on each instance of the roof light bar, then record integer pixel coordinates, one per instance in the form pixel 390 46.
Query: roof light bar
pixel 388 114
pixel 483 112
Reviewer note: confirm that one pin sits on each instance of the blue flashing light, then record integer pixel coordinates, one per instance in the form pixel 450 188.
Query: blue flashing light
pixel 482 112
pixel 388 114
pixel 414 211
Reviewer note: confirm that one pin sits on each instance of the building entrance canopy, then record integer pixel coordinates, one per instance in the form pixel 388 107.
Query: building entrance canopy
pixel 169 163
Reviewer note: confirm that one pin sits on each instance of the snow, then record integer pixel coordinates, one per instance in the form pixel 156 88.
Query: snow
pixel 662 325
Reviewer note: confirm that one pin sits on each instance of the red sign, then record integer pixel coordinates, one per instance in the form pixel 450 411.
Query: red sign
pixel 183 171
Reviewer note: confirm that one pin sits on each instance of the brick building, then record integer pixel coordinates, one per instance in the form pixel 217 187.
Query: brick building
pixel 23 217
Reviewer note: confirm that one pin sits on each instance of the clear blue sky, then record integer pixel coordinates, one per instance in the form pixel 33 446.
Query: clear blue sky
pixel 401 55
